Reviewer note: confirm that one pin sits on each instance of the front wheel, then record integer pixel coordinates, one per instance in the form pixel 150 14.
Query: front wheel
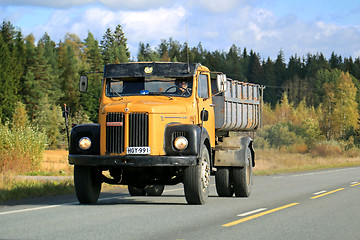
pixel 197 180
pixel 87 184
pixel 242 178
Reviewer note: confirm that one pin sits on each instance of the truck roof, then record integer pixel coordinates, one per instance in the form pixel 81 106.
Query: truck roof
pixel 142 69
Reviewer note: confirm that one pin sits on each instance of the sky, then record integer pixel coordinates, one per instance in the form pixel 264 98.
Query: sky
pixel 265 26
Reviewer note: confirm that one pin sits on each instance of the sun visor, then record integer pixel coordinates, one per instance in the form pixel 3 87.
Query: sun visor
pixel 149 69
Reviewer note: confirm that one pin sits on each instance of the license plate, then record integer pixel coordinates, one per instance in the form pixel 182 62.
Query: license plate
pixel 138 150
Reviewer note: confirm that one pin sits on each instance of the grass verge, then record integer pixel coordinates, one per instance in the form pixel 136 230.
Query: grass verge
pixel 12 189
pixel 272 161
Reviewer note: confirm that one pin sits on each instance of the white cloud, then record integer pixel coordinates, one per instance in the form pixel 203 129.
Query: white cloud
pixel 217 6
pixel 111 4
pixel 135 4
pixel 147 26
pixel 46 3
pixel 262 31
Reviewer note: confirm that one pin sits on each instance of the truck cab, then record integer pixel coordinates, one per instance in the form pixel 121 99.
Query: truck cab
pixel 156 127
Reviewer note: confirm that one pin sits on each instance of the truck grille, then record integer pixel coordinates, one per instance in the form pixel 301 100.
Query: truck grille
pixel 138 129
pixel 115 131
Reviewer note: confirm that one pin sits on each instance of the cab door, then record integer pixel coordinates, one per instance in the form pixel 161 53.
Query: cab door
pixel 204 102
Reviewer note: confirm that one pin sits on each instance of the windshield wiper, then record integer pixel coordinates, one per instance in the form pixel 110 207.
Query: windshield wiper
pixel 118 94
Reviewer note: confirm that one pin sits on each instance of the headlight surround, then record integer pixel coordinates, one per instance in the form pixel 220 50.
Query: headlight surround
pixel 84 143
pixel 181 143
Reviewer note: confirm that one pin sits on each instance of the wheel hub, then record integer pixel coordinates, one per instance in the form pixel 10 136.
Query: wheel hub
pixel 205 174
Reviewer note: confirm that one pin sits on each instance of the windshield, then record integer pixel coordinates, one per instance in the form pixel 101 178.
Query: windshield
pixel 154 85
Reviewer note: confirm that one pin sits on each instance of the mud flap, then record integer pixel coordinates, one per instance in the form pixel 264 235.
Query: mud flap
pixel 234 155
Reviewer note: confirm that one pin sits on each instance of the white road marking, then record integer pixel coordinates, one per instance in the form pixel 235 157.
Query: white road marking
pixel 251 212
pixel 354 183
pixel 329 171
pixel 31 209
pixel 317 193
pixel 52 206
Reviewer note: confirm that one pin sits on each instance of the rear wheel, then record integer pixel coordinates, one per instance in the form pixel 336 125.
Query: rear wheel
pixel 87 184
pixel 155 190
pixel 197 180
pixel 242 178
pixel 223 180
pixel 135 190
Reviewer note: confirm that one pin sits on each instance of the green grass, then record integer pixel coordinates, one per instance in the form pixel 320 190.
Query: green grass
pixel 15 189
pixel 305 168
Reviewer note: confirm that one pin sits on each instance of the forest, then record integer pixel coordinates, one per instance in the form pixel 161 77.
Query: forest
pixel 308 99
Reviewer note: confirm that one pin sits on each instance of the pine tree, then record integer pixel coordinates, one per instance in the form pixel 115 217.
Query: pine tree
pixel 255 72
pixel 69 77
pixel 146 54
pixel 94 64
pixel 8 83
pixel 271 92
pixel 114 46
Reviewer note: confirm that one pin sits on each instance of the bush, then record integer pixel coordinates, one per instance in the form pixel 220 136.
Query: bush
pixel 21 149
pixel 327 149
pixel 279 136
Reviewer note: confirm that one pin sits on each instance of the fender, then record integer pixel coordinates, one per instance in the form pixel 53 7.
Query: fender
pixel 236 154
pixel 92 131
pixel 190 131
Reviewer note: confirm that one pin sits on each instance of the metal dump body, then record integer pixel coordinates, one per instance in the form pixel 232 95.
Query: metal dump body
pixel 238 109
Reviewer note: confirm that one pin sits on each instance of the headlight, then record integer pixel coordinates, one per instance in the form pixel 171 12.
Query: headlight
pixel 180 143
pixel 84 143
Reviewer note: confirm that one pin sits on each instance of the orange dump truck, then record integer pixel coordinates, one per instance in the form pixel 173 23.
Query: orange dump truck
pixel 164 124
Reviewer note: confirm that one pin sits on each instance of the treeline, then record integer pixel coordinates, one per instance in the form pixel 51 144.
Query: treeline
pixel 37 77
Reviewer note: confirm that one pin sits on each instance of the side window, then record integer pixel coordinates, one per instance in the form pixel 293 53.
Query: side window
pixel 203 86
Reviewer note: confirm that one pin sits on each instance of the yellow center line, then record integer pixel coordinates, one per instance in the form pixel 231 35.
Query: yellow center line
pixel 258 215
pixel 356 184
pixel 324 194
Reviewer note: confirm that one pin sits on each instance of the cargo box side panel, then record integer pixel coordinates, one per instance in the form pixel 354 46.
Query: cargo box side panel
pixel 238 109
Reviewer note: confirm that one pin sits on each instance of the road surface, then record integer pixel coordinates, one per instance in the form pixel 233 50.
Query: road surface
pixel 313 205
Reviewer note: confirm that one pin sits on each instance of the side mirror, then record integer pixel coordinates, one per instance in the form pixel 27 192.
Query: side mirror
pixel 83 84
pixel 221 82
pixel 204 115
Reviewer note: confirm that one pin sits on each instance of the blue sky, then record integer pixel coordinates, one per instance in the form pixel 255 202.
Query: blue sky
pixel 266 26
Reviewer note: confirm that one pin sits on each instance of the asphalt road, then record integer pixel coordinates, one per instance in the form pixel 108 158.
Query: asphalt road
pixel 314 205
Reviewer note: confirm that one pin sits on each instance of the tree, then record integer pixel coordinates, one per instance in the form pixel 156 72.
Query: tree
pixel 146 54
pixel 69 76
pixel 272 90
pixel 339 106
pixel 255 72
pixel 48 118
pixel 280 69
pixel 39 81
pixel 94 64
pixel 8 83
pixel 20 118
pixel 295 68
pixel 114 46
pixel 233 67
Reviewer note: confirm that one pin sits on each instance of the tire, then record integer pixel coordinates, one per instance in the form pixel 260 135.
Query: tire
pixel 242 178
pixel 155 190
pixel 87 184
pixel 223 181
pixel 197 180
pixel 137 190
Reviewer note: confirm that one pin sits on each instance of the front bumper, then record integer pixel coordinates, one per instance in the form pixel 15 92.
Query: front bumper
pixel 132 161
